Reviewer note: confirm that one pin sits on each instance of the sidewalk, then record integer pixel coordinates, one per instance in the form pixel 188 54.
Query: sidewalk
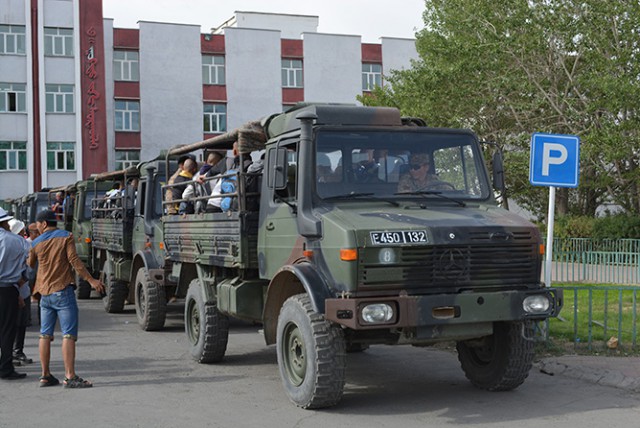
pixel 618 372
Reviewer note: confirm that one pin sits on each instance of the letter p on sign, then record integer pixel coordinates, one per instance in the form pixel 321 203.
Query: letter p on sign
pixel 559 153
pixel 555 160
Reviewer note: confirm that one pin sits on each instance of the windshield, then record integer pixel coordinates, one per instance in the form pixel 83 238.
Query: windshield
pixel 391 164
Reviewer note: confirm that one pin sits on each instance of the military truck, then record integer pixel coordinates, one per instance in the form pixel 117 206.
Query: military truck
pixel 112 227
pixel 128 243
pixel 77 214
pixel 31 204
pixel 342 254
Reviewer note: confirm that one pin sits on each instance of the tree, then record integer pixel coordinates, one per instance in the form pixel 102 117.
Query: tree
pixel 508 69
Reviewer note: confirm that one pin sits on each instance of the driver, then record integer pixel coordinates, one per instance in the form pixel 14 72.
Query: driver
pixel 418 177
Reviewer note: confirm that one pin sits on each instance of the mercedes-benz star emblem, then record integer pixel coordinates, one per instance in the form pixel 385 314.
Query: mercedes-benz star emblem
pixel 452 264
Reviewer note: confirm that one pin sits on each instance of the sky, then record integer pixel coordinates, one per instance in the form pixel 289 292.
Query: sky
pixel 371 19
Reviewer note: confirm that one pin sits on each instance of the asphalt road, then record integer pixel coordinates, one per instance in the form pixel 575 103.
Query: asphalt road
pixel 147 379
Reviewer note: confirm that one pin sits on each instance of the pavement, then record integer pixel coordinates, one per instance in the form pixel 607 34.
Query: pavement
pixel 618 372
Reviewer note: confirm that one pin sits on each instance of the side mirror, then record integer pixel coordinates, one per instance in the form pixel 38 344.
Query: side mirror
pixel 277 168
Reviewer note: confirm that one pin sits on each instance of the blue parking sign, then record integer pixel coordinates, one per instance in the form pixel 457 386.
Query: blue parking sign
pixel 555 160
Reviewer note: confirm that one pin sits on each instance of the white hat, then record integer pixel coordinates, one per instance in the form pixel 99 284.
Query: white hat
pixel 16 225
pixel 4 216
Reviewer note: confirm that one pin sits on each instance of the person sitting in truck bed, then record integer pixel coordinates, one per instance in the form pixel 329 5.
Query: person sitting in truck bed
pixel 214 204
pixel 180 184
pixel 168 196
pixel 199 187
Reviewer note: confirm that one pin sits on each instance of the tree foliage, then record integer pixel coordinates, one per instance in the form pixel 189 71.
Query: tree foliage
pixel 511 68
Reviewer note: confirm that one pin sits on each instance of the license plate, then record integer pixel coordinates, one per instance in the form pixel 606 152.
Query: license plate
pixel 399 237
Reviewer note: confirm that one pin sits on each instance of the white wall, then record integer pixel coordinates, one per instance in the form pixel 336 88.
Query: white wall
pixel 397 54
pixel 290 26
pixel 14 126
pixel 60 127
pixel 57 178
pixel 13 184
pixel 58 13
pixel 332 68
pixel 171 105
pixel 59 71
pixel 109 92
pixel 12 12
pixel 254 79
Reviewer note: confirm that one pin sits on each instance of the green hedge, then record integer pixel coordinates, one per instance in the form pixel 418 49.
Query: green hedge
pixel 610 227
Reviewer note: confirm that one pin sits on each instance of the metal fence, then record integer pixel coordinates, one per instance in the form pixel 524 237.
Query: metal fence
pixel 596 261
pixel 596 317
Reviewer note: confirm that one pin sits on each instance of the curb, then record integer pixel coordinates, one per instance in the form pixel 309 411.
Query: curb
pixel 600 376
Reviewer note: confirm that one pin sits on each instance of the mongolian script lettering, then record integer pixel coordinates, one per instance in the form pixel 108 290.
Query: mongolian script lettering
pixel 91 71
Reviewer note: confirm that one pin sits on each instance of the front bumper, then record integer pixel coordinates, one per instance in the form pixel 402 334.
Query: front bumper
pixel 443 309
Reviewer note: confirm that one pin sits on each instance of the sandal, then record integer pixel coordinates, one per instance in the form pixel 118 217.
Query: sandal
pixel 76 382
pixel 49 380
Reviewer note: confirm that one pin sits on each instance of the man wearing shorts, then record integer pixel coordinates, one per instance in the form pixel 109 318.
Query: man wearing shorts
pixel 54 252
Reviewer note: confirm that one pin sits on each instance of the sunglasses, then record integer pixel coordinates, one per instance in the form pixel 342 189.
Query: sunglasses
pixel 417 166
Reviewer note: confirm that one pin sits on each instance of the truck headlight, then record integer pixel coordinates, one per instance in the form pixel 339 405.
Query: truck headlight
pixel 377 313
pixel 536 304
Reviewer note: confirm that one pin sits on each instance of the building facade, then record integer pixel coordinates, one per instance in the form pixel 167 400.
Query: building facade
pixel 78 96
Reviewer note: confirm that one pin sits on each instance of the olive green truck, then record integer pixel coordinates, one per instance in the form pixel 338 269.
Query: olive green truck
pixel 333 247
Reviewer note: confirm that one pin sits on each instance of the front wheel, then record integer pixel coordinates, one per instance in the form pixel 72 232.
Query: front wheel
pixel 502 361
pixel 151 303
pixel 311 355
pixel 206 327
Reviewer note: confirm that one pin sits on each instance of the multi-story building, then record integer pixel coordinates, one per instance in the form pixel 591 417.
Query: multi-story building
pixel 78 96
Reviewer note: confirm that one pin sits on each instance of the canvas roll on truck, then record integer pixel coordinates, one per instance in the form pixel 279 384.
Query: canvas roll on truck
pixel 336 258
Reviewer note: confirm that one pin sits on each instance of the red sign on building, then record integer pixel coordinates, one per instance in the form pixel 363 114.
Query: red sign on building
pixel 94 114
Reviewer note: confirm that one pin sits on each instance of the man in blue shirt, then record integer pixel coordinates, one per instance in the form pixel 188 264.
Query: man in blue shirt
pixel 13 255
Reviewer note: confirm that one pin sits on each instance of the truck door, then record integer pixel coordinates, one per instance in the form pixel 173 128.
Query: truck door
pixel 278 231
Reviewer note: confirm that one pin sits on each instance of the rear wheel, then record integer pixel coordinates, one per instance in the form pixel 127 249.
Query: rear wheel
pixel 83 289
pixel 311 355
pixel 116 291
pixel 150 302
pixel 207 329
pixel 502 361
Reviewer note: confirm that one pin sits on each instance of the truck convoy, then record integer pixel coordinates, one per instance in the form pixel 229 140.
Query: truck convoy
pixel 323 237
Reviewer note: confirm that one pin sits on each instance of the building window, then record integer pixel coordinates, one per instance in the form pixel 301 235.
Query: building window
pixel 215 118
pixel 371 76
pixel 61 156
pixel 127 158
pixel 213 70
pixel 292 73
pixel 125 66
pixel 12 39
pixel 127 116
pixel 58 41
pixel 13 156
pixel 59 98
pixel 13 98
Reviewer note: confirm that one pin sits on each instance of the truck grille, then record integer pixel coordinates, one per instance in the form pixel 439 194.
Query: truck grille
pixel 452 266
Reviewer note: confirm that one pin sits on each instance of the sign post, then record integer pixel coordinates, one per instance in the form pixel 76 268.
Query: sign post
pixel 554 162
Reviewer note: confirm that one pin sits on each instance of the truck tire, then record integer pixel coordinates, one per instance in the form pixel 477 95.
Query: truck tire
pixel 116 291
pixel 83 289
pixel 150 302
pixel 207 329
pixel 311 355
pixel 502 361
